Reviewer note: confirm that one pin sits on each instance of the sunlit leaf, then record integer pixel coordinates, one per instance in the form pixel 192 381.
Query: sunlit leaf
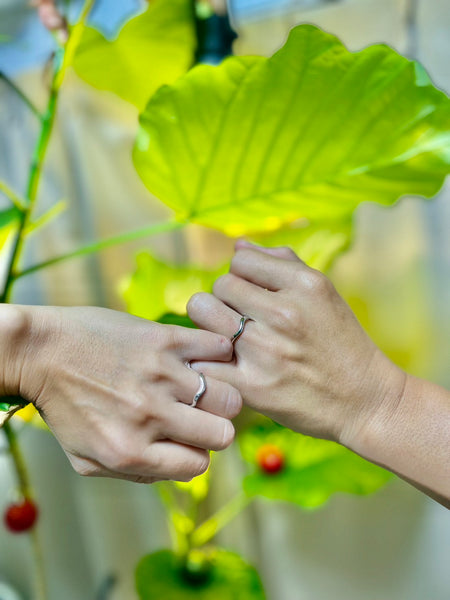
pixel 157 288
pixel 215 575
pixel 317 244
pixel 256 143
pixel 313 469
pixel 152 49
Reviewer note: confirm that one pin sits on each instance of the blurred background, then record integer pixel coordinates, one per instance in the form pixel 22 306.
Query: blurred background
pixel 393 545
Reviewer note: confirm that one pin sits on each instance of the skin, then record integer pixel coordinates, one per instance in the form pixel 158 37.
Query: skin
pixel 305 361
pixel 115 389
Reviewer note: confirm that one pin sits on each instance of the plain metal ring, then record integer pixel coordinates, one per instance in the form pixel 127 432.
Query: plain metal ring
pixel 201 390
pixel 240 331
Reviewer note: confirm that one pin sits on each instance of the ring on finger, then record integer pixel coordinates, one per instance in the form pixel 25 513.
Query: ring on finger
pixel 201 388
pixel 240 331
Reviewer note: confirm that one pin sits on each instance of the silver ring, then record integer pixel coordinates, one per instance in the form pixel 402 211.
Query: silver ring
pixel 201 390
pixel 240 331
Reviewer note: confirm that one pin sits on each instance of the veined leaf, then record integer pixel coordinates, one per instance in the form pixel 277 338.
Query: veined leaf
pixel 313 469
pixel 159 290
pixel 256 143
pixel 152 49
pixel 217 574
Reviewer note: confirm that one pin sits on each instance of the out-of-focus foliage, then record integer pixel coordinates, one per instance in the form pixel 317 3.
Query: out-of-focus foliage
pixel 152 49
pixel 318 244
pixel 217 574
pixel 256 143
pixel 313 469
pixel 157 288
pixel 8 220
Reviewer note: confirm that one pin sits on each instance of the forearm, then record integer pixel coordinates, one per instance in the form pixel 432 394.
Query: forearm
pixel 412 438
pixel 15 325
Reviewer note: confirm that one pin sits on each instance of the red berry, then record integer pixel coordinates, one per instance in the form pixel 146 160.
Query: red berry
pixel 270 458
pixel 21 517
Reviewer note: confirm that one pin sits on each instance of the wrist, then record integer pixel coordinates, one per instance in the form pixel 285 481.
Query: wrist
pixel 15 329
pixel 370 431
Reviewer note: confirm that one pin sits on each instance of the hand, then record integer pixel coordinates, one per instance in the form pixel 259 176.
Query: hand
pixel 303 359
pixel 115 390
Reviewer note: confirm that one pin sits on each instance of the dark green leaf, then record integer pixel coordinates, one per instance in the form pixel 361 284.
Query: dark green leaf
pixel 313 131
pixel 313 469
pixel 223 576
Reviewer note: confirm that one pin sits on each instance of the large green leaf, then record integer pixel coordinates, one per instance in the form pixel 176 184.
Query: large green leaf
pixel 313 469
pixel 314 130
pixel 8 220
pixel 225 576
pixel 158 290
pixel 152 49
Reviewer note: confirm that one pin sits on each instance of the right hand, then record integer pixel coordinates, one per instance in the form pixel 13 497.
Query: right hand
pixel 115 390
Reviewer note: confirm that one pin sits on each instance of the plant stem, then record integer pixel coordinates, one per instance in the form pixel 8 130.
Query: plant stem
pixel 102 245
pixel 21 95
pixel 62 60
pixel 26 491
pixel 19 203
pixel 209 528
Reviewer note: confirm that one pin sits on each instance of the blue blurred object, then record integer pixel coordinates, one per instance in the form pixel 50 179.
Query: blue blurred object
pixel 26 44
pixel 244 10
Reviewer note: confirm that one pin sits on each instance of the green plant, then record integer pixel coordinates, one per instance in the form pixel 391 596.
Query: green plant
pixel 282 149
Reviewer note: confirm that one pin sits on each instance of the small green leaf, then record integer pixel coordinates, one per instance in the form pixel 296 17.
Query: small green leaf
pixel 313 469
pixel 215 574
pixel 158 290
pixel 152 49
pixel 256 143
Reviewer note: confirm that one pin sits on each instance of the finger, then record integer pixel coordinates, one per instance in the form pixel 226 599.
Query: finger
pixel 264 269
pixel 226 372
pixel 196 344
pixel 219 399
pixel 241 295
pixel 208 312
pixel 198 428
pixel 171 460
pixel 160 461
pixel 278 251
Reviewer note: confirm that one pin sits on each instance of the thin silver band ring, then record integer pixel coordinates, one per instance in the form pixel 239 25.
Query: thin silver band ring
pixel 240 331
pixel 201 389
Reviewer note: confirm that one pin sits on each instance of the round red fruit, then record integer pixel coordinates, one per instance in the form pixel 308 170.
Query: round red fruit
pixel 270 458
pixel 21 516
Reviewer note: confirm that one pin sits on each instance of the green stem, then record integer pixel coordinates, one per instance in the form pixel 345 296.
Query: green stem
pixel 62 60
pixel 180 542
pixel 21 95
pixel 26 491
pixel 19 203
pixel 102 245
pixel 209 528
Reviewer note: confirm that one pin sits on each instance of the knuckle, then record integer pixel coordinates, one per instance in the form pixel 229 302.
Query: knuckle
pixel 316 283
pixel 222 283
pixel 285 316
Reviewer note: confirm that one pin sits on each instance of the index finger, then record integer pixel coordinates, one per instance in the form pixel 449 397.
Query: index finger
pixel 264 269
